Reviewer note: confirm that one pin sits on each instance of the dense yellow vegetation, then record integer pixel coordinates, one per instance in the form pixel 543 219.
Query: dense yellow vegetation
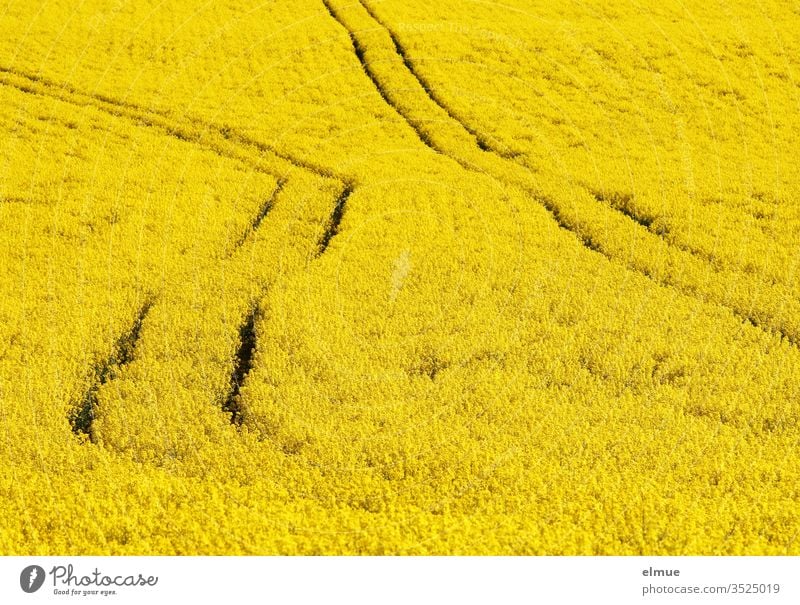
pixel 371 276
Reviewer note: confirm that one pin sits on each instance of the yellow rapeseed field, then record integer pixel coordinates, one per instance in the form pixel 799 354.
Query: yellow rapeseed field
pixel 384 277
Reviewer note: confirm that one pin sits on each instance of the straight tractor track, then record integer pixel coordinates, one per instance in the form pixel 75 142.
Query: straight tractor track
pixel 243 363
pixel 332 228
pixel 122 354
pixel 259 217
pixel 482 142
pixel 360 52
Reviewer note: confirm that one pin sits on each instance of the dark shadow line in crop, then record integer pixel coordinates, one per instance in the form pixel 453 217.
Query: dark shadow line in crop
pixel 483 143
pixel 122 354
pixel 262 213
pixel 242 364
pixel 332 226
pixel 149 118
pixel 242 140
pixel 66 89
pixel 587 241
pixel 623 203
pixel 360 53
pixel 554 212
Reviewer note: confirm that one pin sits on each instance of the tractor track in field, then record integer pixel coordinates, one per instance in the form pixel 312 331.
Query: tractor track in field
pixel 243 360
pixel 385 92
pixel 262 213
pixel 65 89
pixel 552 207
pixel 227 144
pixel 158 121
pixel 617 202
pixel 123 353
pixel 596 246
pixel 206 135
pixel 332 227
pixel 360 52
pixel 621 202
pixel 195 133
pixel 482 142
pixel 242 365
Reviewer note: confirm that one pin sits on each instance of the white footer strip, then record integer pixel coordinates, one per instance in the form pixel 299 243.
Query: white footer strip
pixel 401 580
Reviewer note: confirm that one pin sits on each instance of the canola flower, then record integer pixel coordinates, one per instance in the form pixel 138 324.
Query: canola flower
pixel 374 277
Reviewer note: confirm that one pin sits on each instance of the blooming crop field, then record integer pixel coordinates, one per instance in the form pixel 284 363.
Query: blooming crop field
pixel 384 276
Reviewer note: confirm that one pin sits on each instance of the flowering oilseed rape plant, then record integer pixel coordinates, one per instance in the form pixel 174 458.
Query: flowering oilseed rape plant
pixel 373 277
